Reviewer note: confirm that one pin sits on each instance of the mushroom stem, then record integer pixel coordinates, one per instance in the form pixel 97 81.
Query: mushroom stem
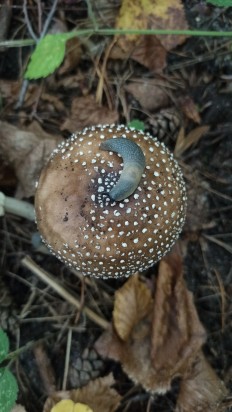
pixel 134 164
pixel 16 207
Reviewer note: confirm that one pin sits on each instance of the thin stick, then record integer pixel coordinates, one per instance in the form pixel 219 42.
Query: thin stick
pixel 54 284
pixel 67 359
pixel 28 23
pixel 48 19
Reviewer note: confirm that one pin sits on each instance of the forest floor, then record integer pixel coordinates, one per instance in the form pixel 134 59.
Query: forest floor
pixel 185 99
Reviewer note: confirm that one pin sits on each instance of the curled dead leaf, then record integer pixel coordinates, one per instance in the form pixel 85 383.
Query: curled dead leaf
pixel 176 328
pixel 166 342
pixel 132 303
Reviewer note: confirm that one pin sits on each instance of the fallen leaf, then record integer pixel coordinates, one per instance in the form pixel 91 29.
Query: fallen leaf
pixel 97 394
pixel 133 354
pixel 66 405
pixel 200 390
pixel 151 14
pixel 132 303
pixel 149 52
pixel 184 143
pixel 149 94
pixel 177 334
pixel 189 108
pixel 166 342
pixel 86 112
pixel 72 56
pixel 16 145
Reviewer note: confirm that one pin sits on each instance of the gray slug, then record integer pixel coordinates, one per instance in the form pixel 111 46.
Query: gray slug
pixel 134 164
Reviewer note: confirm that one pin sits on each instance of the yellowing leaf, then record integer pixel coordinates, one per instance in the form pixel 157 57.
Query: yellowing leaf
pixel 132 303
pixel 66 405
pixel 81 407
pixel 130 17
pixel 151 14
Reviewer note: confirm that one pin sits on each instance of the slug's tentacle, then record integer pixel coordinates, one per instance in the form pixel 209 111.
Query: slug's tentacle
pixel 134 164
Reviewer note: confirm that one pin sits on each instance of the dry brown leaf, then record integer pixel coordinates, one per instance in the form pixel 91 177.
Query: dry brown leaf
pixel 200 390
pixel 132 303
pixel 149 94
pixel 98 395
pixel 72 56
pixel 177 334
pixel 183 142
pixel 26 152
pixel 149 52
pixel 189 109
pixel 166 342
pixel 86 112
pixel 134 355
pixel 152 14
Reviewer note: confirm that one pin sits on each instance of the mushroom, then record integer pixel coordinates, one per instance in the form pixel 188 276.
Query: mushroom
pixel 90 228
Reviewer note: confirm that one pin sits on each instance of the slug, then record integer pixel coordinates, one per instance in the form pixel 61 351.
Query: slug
pixel 134 164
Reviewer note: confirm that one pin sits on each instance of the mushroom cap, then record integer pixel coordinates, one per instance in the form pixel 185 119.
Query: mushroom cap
pixel 89 231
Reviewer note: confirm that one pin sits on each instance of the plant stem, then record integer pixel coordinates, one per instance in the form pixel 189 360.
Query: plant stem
pixel 112 32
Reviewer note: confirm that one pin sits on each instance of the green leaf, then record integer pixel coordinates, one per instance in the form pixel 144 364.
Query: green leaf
pixel 4 345
pixel 8 390
pixel 220 3
pixel 47 56
pixel 136 124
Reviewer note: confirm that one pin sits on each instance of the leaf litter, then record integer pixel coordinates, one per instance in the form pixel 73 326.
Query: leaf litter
pixel 151 316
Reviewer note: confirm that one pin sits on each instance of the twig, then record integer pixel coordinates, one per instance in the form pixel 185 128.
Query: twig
pixel 48 19
pixel 28 23
pixel 91 14
pixel 22 93
pixel 67 359
pixel 39 16
pixel 53 283
pixel 218 242
pixel 36 39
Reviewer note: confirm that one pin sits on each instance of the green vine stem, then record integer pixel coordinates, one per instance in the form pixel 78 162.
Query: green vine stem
pixel 112 32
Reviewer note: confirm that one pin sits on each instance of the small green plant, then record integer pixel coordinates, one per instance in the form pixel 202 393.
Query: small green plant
pixel 220 3
pixel 47 56
pixel 136 124
pixel 8 384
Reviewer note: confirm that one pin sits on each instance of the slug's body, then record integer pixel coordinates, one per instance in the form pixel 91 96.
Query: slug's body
pixel 134 164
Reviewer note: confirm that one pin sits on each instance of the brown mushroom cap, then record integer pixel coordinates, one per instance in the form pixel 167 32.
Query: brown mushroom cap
pixel 94 234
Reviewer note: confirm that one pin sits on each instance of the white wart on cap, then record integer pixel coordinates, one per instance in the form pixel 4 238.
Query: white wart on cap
pixel 91 232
